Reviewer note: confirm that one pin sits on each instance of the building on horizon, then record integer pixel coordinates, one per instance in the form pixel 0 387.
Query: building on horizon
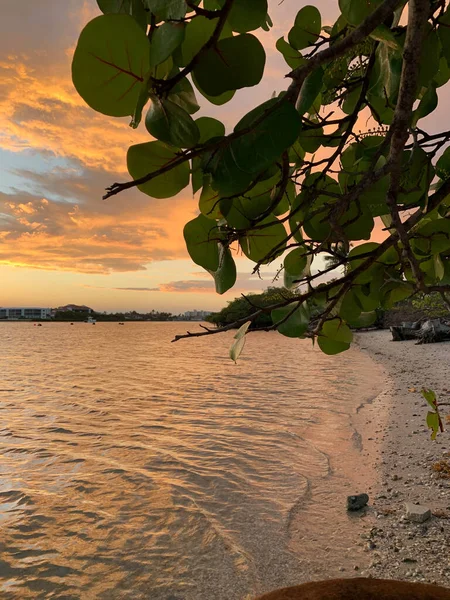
pixel 194 315
pixel 76 308
pixel 15 313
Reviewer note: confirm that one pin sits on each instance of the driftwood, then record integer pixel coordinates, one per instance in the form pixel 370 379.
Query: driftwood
pixel 426 331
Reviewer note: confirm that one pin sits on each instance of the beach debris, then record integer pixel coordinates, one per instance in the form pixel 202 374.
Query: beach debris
pixel 357 501
pixel 417 513
pixel 425 332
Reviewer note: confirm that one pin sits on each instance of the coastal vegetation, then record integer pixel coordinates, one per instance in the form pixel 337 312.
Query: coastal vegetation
pixel 339 158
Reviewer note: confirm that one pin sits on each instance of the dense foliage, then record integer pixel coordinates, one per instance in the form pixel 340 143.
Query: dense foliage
pixel 296 175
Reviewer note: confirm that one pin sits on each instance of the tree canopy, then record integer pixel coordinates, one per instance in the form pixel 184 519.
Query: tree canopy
pixel 308 172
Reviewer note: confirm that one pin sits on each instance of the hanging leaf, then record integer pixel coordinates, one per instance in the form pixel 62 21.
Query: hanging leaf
pixel 247 15
pixel 168 122
pixel 201 236
pixel 209 128
pixel 238 345
pixel 167 9
pixel 256 244
pixel 433 423
pixel 235 63
pixel 306 30
pixel 165 41
pixel 296 262
pixel 183 94
pixel 225 276
pixel 134 8
pixel 292 56
pixel 310 89
pixel 110 63
pixel 150 157
pixel 335 337
pixel 268 139
pixel 295 320
pixel 355 11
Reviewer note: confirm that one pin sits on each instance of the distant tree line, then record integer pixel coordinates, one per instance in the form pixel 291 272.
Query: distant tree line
pixel 419 306
pixel 153 315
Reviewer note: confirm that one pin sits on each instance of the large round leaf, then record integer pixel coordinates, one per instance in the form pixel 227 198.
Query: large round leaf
pixel 150 157
pixel 165 41
pixel 236 62
pixel 268 139
pixel 201 237
pixel 296 262
pixel 209 128
pixel 355 11
pixel 109 64
pixel 335 337
pixel 306 30
pixel 247 15
pixel 168 122
pixel 295 319
pixel 167 9
pixel 225 276
pixel 135 8
pixel 198 32
pixel 258 244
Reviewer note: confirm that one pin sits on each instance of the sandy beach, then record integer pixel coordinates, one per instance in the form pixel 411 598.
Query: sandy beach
pixel 396 442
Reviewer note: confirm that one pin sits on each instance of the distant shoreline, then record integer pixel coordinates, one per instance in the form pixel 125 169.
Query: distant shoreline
pixel 100 321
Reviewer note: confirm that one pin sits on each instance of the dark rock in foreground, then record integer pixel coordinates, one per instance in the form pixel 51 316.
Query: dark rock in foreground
pixel 357 502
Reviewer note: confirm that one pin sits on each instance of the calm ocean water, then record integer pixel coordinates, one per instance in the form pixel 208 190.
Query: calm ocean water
pixel 134 468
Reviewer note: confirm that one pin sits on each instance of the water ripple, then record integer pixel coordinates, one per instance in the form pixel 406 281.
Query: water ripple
pixel 134 468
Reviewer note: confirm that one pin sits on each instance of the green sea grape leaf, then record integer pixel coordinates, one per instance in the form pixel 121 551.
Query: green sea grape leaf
pixel 256 244
pixel 443 164
pixel 110 63
pixel 296 262
pixel 433 423
pixel 295 319
pixel 234 63
pixel 427 104
pixel 264 144
pixel 306 29
pixel 142 100
pixel 430 397
pixel 310 89
pixel 202 241
pixel 197 33
pixel 334 337
pixel 355 11
pixel 227 177
pixel 209 202
pixel 183 94
pixel 225 276
pixel 167 9
pixel 169 123
pixel 150 157
pixel 134 8
pixel 383 34
pixel 165 41
pixel 350 308
pixel 292 56
pixel 247 15
pixel 209 128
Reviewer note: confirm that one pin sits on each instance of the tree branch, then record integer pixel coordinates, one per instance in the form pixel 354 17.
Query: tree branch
pixel 399 130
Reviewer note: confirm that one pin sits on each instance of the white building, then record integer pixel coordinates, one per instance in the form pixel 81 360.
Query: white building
pixel 25 313
pixel 195 315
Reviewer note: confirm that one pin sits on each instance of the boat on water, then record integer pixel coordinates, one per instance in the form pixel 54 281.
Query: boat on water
pixel 91 320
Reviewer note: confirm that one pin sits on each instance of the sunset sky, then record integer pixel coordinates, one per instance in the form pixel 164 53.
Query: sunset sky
pixel 59 241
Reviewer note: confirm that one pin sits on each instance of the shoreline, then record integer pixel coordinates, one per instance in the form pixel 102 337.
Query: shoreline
pixel 395 441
